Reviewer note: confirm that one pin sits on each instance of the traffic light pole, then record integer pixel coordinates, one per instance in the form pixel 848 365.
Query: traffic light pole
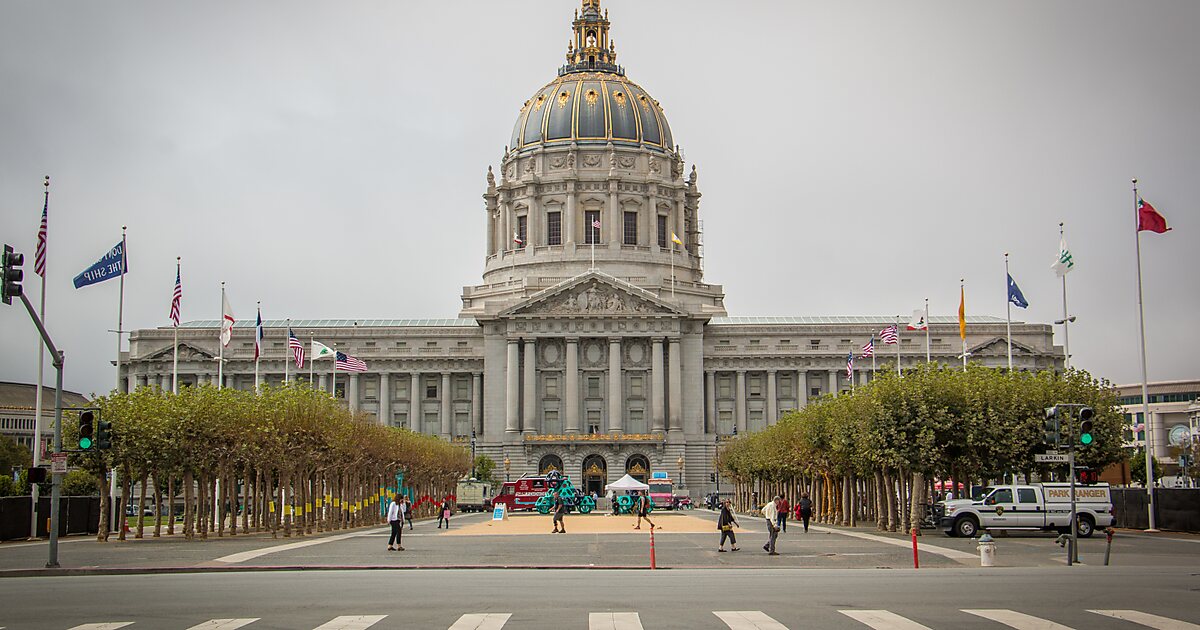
pixel 56 478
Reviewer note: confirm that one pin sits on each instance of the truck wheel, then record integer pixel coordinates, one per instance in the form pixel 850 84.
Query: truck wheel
pixel 966 527
pixel 1085 526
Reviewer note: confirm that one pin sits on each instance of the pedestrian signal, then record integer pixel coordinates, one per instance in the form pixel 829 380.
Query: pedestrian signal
pixel 87 429
pixel 1085 425
pixel 1088 476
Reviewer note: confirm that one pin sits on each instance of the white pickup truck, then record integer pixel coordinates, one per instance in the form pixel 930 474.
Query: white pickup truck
pixel 1045 507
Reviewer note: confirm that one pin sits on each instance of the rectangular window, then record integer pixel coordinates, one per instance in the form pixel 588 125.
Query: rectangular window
pixel 522 232
pixel 400 419
pixel 462 424
pixel 814 392
pixel 551 424
pixel 785 386
pixel 593 421
pixel 431 388
pixel 1026 495
pixel 637 387
pixel 637 421
pixel 554 228
pixel 662 230
pixel 462 388
pixel 630 231
pixel 400 387
pixel 593 387
pixel 755 421
pixel 725 422
pixel 370 388
pixel 724 387
pixel 754 385
pixel 591 233
pixel 433 425
pixel 551 387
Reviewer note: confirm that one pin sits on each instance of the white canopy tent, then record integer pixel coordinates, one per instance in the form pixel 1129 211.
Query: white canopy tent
pixel 626 483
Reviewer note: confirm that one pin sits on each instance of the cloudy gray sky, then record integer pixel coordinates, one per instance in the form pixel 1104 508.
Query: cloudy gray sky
pixel 855 157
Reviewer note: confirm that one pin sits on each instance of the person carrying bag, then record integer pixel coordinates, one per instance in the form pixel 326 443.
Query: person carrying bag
pixel 726 522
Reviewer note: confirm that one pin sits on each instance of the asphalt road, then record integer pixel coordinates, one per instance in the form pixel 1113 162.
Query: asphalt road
pixel 567 599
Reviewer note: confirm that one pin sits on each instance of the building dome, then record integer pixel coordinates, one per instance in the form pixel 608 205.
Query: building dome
pixel 591 107
pixel 591 101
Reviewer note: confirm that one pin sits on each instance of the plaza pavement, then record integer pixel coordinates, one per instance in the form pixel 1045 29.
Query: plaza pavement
pixel 596 541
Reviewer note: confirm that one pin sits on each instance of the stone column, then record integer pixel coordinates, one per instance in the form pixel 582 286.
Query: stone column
pixel 658 388
pixel 569 221
pixel 415 422
pixel 385 399
pixel 740 403
pixel 675 375
pixel 230 380
pixel 477 403
pixel 802 381
pixel 614 217
pixel 529 408
pixel 571 385
pixel 165 383
pixel 831 386
pixel 679 231
pixel 710 401
pixel 772 399
pixel 512 418
pixel 322 382
pixel 352 391
pixel 491 230
pixel 533 225
pixel 616 401
pixel 506 227
pixel 446 407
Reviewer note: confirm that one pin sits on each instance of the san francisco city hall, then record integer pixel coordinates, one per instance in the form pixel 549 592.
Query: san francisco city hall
pixel 593 368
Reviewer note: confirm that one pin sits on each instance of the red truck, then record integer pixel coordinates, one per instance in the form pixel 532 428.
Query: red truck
pixel 521 494
pixel 662 491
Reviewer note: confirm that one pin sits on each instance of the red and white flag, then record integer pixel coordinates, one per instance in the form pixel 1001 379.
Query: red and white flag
pixel 918 320
pixel 517 238
pixel 226 320
pixel 176 298
pixel 890 335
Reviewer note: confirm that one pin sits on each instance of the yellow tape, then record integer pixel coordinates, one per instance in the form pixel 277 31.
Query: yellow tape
pixel 272 507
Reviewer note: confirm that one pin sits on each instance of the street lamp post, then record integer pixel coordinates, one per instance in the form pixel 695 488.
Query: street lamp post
pixel 472 453
pixel 717 463
pixel 507 465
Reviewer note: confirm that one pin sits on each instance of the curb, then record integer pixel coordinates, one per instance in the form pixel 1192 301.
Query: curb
pixel 80 571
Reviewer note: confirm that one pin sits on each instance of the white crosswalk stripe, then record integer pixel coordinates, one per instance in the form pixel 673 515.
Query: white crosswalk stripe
pixel 614 621
pixel 223 624
pixel 1148 620
pixel 481 621
pixel 1020 621
pixel 108 625
pixel 883 620
pixel 748 620
pixel 352 622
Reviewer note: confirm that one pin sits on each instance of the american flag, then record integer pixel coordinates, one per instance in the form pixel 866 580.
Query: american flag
pixel 347 363
pixel 890 335
pixel 297 349
pixel 868 349
pixel 850 366
pixel 596 224
pixel 176 298
pixel 39 257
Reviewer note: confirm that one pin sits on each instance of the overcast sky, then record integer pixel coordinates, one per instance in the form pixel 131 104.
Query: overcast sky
pixel 855 157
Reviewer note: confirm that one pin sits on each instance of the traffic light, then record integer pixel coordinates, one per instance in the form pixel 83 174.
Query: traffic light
pixel 712 478
pixel 87 430
pixel 103 435
pixel 1085 425
pixel 1052 428
pixel 12 276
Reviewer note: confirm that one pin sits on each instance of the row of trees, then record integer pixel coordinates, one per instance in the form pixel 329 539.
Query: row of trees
pixel 288 459
pixel 874 454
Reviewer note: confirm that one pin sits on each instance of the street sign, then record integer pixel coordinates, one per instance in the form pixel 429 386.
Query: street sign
pixel 58 463
pixel 1051 458
pixel 500 513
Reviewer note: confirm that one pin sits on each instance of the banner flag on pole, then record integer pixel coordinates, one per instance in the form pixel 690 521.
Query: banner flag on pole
pixel 1149 220
pixel 176 298
pixel 347 363
pixel 962 313
pixel 226 320
pixel 39 258
pixel 918 320
pixel 675 239
pixel 320 351
pixel 850 368
pixel 890 335
pixel 868 349
pixel 111 265
pixel 258 336
pixel 1014 294
pixel 1065 262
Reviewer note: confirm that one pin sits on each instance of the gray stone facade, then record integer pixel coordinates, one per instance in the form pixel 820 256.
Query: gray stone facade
pixel 594 350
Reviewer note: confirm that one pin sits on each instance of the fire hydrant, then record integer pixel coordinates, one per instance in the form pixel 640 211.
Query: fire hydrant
pixel 987 551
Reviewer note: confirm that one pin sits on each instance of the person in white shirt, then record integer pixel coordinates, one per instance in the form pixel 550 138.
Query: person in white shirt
pixel 770 511
pixel 396 520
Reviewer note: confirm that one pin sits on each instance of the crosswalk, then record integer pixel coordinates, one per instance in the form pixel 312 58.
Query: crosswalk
pixel 731 619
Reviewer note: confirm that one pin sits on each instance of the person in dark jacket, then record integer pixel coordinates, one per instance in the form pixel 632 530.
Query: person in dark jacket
pixel 560 511
pixel 804 510
pixel 726 522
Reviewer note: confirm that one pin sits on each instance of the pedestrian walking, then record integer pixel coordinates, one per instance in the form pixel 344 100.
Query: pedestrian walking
pixel 770 512
pixel 395 517
pixel 804 510
pixel 408 510
pixel 560 511
pixel 643 509
pixel 726 522
pixel 444 514
pixel 783 513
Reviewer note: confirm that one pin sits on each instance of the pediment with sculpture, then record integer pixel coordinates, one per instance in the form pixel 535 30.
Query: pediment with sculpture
pixel 186 353
pixel 594 294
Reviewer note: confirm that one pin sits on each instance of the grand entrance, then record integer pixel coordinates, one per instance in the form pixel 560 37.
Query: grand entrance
pixel 595 474
pixel 638 467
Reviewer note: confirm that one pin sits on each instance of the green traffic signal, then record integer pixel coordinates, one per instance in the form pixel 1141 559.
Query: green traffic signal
pixel 85 443
pixel 1085 425
pixel 86 429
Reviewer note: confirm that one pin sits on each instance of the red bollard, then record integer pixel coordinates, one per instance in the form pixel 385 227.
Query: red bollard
pixel 653 564
pixel 916 562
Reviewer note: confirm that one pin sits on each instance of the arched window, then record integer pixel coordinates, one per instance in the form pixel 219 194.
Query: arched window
pixel 638 467
pixel 595 474
pixel 550 462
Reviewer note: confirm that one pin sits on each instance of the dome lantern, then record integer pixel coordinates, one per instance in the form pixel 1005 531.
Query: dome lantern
pixel 591 49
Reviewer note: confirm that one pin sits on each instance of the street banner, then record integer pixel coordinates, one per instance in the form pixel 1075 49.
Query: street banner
pixel 112 265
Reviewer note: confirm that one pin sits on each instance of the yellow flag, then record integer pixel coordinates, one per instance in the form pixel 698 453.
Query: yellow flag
pixel 962 313
pixel 675 239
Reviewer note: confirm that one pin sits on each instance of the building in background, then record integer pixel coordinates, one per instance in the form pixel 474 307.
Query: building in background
pixel 594 345
pixel 17 402
pixel 1174 417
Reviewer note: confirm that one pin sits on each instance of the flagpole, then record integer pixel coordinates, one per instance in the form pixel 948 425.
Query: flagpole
pixel 221 343
pixel 311 360
pixel 1066 319
pixel 1008 309
pixel 1137 242
pixel 595 236
pixel 37 410
pixel 962 292
pixel 872 357
pixel 258 345
pixel 898 346
pixel 927 330
pixel 287 369
pixel 121 304
pixel 672 268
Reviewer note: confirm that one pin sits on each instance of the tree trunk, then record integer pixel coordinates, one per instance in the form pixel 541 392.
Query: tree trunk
pixel 189 513
pixel 141 520
pixel 893 522
pixel 246 498
pixel 126 495
pixel 158 504
pixel 105 500
pixel 170 504
pixel 918 502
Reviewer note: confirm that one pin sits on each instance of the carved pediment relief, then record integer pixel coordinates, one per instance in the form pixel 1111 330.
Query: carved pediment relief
pixel 594 294
pixel 186 353
pixel 998 346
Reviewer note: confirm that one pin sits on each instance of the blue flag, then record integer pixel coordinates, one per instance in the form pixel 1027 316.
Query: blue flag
pixel 110 266
pixel 1014 293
